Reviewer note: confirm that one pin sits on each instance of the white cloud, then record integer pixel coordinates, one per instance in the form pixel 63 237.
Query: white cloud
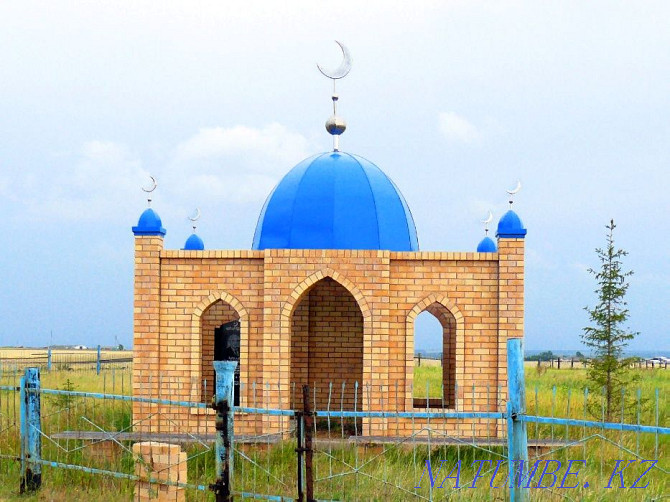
pixel 457 129
pixel 269 149
pixel 234 188
pixel 238 165
pixel 88 188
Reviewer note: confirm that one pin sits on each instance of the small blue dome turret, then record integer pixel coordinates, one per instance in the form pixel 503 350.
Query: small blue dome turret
pixel 149 224
pixel 336 200
pixel 194 243
pixel 487 246
pixel 510 226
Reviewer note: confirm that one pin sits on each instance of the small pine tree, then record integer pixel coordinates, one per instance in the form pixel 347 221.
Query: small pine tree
pixel 607 337
pixel 65 401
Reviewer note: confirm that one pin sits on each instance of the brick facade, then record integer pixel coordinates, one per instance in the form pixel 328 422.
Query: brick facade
pixel 315 316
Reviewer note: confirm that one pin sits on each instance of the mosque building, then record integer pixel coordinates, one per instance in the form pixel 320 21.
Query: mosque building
pixel 327 294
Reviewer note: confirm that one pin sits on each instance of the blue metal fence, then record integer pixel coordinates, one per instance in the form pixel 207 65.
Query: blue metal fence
pixel 320 454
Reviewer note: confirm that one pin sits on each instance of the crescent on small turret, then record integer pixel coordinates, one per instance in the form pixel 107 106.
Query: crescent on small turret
pixel 516 189
pixel 197 215
pixel 154 184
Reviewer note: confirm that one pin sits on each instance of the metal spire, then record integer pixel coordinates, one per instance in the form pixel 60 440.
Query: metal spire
pixel 336 125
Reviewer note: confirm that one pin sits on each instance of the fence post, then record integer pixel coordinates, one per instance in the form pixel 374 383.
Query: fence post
pixel 49 359
pixel 225 375
pixel 309 452
pixel 31 441
pixel 299 450
pixel 97 362
pixel 517 441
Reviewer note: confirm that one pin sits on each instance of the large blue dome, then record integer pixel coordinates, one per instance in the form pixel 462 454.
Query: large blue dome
pixel 336 200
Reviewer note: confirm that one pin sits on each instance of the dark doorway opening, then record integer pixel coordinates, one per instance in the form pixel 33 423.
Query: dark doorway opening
pixel 227 348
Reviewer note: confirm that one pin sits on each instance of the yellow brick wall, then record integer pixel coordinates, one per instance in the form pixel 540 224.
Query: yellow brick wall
pixel 478 298
pixel 469 290
pixel 290 273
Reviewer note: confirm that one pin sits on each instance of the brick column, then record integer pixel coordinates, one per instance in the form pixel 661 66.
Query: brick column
pixel 510 299
pixel 146 321
pixel 159 462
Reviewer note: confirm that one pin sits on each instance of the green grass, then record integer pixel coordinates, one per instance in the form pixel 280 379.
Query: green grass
pixel 272 470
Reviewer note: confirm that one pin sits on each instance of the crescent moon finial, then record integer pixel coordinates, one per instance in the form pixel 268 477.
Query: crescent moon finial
pixel 513 192
pixel 336 125
pixel 515 189
pixel 154 185
pixel 486 222
pixel 195 218
pixel 342 70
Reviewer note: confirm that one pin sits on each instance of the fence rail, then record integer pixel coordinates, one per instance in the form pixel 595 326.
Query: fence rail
pixel 557 362
pixel 66 360
pixel 582 363
pixel 325 452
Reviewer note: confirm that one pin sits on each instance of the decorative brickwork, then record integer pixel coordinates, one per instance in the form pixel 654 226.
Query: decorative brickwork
pixel 320 315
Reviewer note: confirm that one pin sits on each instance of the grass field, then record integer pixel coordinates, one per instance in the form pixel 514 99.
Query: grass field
pixel 19 353
pixel 549 392
pixel 61 359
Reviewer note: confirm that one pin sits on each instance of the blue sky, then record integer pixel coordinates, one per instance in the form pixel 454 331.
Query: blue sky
pixel 454 100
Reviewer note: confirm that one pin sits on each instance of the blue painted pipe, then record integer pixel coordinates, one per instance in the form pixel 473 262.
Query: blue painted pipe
pixel 31 439
pixel 591 423
pixel 223 400
pixel 517 439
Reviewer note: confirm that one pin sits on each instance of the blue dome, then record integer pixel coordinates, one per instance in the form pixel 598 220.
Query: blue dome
pixel 487 246
pixel 149 224
pixel 510 226
pixel 194 243
pixel 336 200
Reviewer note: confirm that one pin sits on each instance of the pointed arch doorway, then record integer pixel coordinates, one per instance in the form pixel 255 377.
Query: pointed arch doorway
pixel 327 347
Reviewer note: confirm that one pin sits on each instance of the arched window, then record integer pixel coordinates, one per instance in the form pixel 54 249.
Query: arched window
pixel 434 382
pixel 220 338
